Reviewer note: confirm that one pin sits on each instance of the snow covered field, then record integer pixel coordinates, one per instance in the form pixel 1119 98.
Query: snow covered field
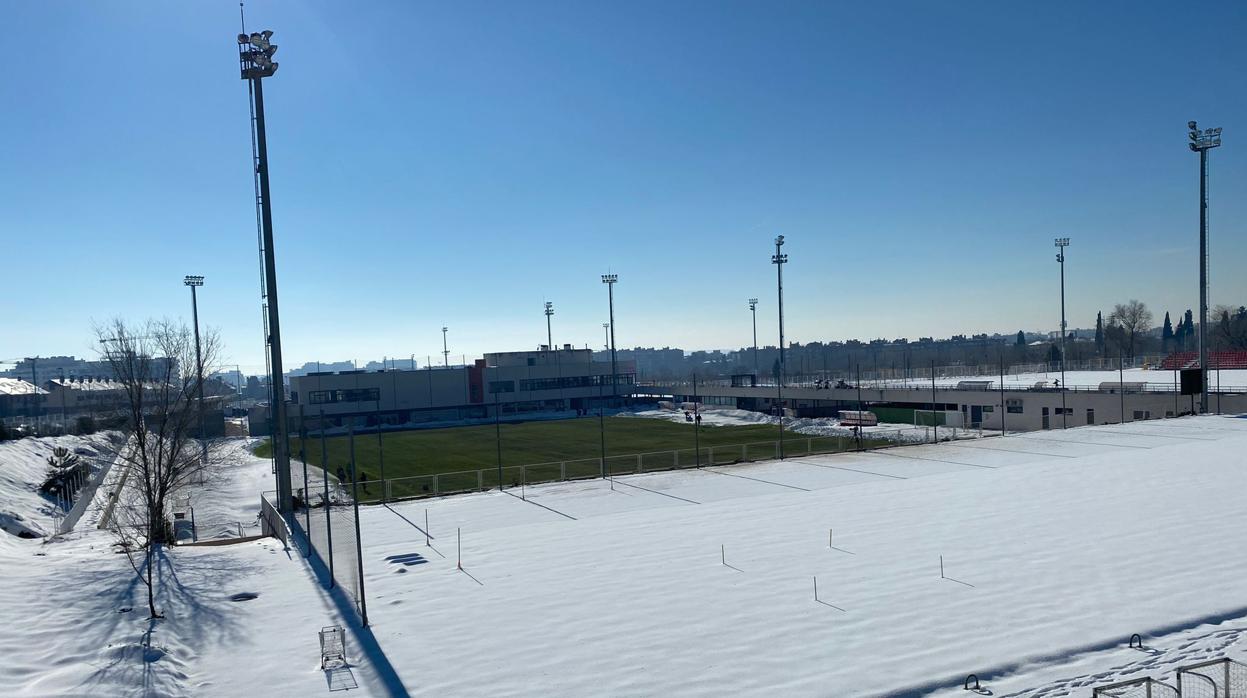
pixel 1056 547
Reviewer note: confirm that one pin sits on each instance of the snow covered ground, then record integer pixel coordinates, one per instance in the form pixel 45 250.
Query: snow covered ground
pixel 1056 547
pixel 713 416
pixel 75 618
pixel 23 465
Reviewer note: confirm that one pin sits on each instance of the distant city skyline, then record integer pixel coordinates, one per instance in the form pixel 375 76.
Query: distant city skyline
pixel 482 159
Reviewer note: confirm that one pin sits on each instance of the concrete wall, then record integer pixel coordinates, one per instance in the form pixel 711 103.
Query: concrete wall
pixel 1106 406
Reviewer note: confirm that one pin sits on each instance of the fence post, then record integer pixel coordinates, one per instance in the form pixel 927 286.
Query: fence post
pixel 675 458
pixel 710 457
pixel 480 479
pixel 638 464
pixel 809 446
pixel 744 449
pixel 385 486
pixel 436 483
pixel 563 470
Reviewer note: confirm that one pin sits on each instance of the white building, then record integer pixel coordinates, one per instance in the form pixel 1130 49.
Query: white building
pixel 510 383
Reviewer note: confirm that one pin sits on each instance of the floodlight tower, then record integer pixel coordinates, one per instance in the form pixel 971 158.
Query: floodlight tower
pixel 779 260
pixel 549 335
pixel 1061 244
pixel 195 282
pixel 1202 142
pixel 445 350
pixel 255 61
pixel 609 280
pixel 753 310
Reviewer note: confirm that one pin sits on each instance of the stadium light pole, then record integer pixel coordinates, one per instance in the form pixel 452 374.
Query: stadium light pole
pixel 610 280
pixel 255 60
pixel 195 282
pixel 1201 142
pixel 445 350
pixel 753 310
pixel 549 334
pixel 779 260
pixel 1061 244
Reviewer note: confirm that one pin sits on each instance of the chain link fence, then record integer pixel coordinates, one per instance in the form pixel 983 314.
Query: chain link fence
pixel 518 476
pixel 325 526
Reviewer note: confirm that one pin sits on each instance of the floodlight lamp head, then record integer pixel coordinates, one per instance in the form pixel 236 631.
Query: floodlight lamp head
pixel 1062 242
pixel 610 278
pixel 193 281
pixel 1191 125
pixel 779 240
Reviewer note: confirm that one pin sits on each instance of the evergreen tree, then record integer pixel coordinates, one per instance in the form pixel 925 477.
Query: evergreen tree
pixel 1166 333
pixel 1099 333
pixel 1021 340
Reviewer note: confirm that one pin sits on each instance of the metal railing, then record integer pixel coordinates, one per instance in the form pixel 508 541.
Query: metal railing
pixel 519 476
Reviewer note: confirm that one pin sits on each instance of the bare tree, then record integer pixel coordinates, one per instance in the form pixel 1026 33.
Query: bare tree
pixel 155 364
pixel 1133 318
pixel 1228 327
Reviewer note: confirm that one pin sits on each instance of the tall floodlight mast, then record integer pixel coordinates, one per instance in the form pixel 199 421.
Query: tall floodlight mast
pixel 753 310
pixel 255 61
pixel 195 282
pixel 610 280
pixel 549 334
pixel 779 260
pixel 1202 142
pixel 1061 244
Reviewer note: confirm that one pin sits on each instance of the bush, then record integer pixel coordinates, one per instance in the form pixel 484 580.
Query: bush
pixel 85 425
pixel 64 468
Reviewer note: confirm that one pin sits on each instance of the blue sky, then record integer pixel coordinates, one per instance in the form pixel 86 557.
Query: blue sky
pixel 460 163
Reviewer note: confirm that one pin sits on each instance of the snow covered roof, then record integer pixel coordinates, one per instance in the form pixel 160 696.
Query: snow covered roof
pixel 17 386
pixel 88 385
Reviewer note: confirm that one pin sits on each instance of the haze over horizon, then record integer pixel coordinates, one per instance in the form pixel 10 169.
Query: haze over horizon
pixel 459 165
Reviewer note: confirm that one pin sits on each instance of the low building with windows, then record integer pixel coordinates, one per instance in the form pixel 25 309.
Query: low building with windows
pixel 506 383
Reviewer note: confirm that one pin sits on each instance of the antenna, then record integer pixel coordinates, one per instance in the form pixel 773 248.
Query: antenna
pixel 242 18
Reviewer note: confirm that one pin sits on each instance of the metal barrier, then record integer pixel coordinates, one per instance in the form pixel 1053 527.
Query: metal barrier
pixel 518 476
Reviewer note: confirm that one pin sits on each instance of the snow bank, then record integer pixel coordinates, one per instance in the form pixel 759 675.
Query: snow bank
pixel 24 512
pixel 239 619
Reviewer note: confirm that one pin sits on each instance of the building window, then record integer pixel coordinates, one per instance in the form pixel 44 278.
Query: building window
pixel 325 397
pixel 1013 406
pixel 501 386
pixel 320 397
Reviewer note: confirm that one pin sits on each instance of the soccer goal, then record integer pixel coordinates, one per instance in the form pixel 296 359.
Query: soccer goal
pixel 929 418
pixel 1146 687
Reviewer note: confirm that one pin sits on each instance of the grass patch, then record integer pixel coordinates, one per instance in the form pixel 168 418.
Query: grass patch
pixel 549 450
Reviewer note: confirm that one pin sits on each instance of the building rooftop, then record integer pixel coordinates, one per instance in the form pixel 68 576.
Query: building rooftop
pixel 17 386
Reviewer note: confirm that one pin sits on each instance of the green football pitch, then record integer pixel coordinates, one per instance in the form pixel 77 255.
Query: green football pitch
pixel 664 445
